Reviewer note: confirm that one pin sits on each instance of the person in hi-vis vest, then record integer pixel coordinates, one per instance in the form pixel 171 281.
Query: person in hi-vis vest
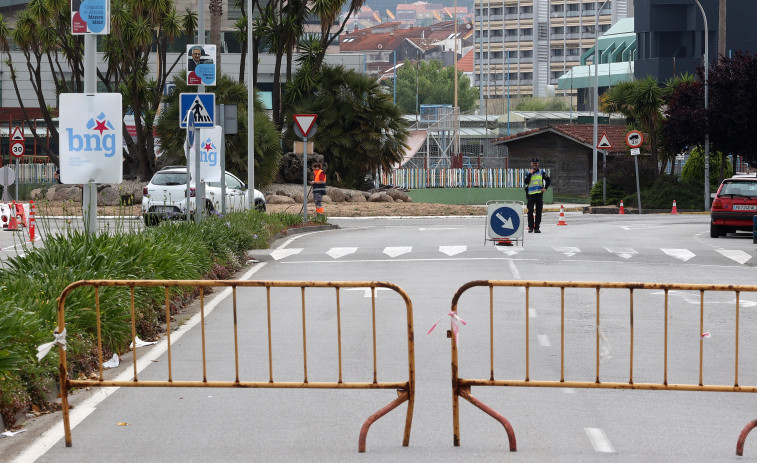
pixel 319 186
pixel 536 183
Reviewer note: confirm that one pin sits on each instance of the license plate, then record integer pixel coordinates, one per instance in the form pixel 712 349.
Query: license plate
pixel 164 209
pixel 745 207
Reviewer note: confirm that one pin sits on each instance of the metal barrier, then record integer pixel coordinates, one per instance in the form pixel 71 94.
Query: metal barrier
pixel 461 387
pixel 405 388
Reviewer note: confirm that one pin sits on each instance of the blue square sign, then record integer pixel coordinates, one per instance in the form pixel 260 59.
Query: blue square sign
pixel 203 107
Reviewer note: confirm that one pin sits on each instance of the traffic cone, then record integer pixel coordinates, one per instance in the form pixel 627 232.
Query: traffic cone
pixel 31 221
pixel 21 215
pixel 675 209
pixel 504 242
pixel 562 217
pixel 622 209
pixel 12 223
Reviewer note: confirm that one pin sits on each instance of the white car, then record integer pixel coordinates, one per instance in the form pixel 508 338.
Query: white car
pixel 165 196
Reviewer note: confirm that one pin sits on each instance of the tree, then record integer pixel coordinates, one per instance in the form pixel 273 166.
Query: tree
pixel 432 83
pixel 360 130
pixel 732 108
pixel 693 170
pixel 640 102
pixel 228 91
pixel 43 35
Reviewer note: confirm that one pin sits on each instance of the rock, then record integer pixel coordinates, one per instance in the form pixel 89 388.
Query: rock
pixel 326 199
pixel 279 199
pixel 357 197
pixel 36 194
pixel 381 197
pixel 338 195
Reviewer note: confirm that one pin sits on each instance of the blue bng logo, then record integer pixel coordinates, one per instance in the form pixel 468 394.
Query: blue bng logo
pixel 94 141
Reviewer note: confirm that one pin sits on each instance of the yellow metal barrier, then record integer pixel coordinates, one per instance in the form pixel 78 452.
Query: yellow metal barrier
pixel 405 388
pixel 461 386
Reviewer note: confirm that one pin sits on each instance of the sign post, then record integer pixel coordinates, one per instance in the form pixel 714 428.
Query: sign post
pixel 504 221
pixel 304 125
pixel 634 139
pixel 17 148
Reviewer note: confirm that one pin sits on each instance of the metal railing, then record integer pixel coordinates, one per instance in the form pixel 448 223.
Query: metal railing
pixel 405 387
pixel 461 387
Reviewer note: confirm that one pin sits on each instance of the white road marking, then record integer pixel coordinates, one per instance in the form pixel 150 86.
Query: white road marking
pixel 735 254
pixel 682 254
pixel 543 340
pixel 567 250
pixel 367 291
pixel 599 440
pixel 439 228
pixel 336 253
pixel 509 250
pixel 568 390
pixel 51 437
pixel 397 250
pixel 279 254
pixel 452 250
pixel 625 253
pixel 531 313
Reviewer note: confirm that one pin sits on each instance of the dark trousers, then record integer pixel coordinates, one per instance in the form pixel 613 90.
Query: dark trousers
pixel 535 206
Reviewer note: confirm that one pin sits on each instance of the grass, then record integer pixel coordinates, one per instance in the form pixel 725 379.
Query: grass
pixel 31 283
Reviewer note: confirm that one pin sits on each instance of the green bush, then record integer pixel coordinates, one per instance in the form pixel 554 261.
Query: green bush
pixel 30 285
pixel 665 190
pixel 613 194
pixel 693 170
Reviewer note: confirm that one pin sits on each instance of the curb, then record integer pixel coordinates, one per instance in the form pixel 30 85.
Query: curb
pixel 305 229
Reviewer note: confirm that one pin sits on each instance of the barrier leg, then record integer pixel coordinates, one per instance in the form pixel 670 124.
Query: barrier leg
pixel 465 394
pixel 742 437
pixel 403 396
pixel 64 400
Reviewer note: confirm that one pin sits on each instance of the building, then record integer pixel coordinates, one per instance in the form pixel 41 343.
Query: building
pixel 670 34
pixel 535 41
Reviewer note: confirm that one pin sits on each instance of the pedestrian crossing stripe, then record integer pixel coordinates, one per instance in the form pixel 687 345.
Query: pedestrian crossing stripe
pixel 202 106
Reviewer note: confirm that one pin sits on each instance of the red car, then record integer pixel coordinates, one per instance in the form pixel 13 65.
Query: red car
pixel 734 205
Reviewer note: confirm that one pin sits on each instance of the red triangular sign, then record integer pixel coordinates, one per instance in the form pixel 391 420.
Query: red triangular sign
pixel 604 142
pixel 18 134
pixel 305 122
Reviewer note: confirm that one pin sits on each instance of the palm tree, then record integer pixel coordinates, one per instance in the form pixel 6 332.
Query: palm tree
pixel 216 13
pixel 721 29
pixel 360 129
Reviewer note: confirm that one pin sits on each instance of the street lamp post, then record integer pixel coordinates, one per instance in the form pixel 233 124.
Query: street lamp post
pixel 706 98
pixel 596 93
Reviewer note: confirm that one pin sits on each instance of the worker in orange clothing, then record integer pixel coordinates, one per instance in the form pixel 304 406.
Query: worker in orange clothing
pixel 319 186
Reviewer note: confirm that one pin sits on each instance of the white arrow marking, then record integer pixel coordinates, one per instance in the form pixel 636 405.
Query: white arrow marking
pixel 282 253
pixel 397 251
pixel 682 254
pixel 336 253
pixel 452 250
pixel 691 298
pixel 439 228
pixel 735 254
pixel 599 440
pixel 510 251
pixel 568 250
pixel 506 223
pixel 544 340
pixel 625 253
pixel 367 291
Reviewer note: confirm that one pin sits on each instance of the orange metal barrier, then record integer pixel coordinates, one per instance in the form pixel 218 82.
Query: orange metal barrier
pixel 461 387
pixel 405 388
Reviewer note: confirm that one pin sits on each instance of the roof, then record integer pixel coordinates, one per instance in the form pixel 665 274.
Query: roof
pixel 609 74
pixel 580 133
pixel 364 40
pixel 465 64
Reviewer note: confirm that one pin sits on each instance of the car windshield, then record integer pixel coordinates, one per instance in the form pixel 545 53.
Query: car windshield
pixel 740 188
pixel 169 178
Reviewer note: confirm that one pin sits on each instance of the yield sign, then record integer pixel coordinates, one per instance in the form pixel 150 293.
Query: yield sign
pixel 305 122
pixel 604 142
pixel 18 134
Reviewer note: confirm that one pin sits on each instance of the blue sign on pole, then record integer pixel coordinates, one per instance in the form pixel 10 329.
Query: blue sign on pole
pixel 202 106
pixel 504 221
pixel 191 129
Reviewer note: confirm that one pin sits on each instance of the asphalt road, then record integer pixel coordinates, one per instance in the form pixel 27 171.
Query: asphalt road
pixel 430 259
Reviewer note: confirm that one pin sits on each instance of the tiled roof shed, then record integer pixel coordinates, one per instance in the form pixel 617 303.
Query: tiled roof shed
pixel 567 150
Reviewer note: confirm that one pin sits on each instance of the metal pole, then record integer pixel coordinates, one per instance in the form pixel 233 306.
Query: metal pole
pixel 596 92
pixel 638 188
pixel 395 76
pixel 199 185
pixel 250 111
pixel 222 115
pixel 706 99
pixel 304 179
pixel 89 190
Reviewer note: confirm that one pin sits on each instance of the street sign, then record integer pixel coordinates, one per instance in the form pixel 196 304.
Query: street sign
pixel 17 149
pixel 504 220
pixel 191 129
pixel 17 134
pixel 634 139
pixel 203 107
pixel 305 123
pixel 604 142
pixel 635 151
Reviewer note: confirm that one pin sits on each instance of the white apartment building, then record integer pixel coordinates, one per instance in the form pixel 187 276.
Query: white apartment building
pixel 524 46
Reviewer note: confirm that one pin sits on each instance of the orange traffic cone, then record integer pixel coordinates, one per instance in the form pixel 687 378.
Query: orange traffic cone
pixel 675 209
pixel 504 242
pixel 21 215
pixel 12 223
pixel 622 209
pixel 562 217
pixel 31 221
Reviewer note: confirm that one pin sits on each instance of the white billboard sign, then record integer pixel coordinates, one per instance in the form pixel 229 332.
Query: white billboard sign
pixel 91 138
pixel 210 154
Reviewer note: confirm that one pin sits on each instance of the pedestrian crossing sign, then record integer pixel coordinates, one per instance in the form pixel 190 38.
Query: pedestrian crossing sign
pixel 203 107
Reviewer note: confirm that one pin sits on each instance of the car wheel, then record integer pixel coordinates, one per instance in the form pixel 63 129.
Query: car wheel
pixel 714 230
pixel 260 206
pixel 150 220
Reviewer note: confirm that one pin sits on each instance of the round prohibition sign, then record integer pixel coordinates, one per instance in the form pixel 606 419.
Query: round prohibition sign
pixel 634 139
pixel 17 149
